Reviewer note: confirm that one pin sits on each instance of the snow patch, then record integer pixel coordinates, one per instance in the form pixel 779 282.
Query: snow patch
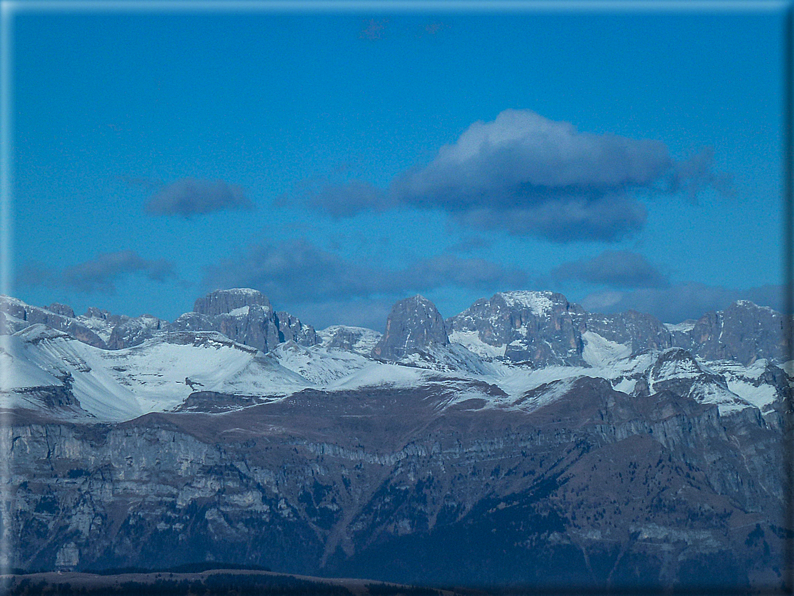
pixel 599 351
pixel 243 291
pixel 116 385
pixel 761 396
pixel 453 358
pixel 366 339
pixel 318 365
pixel 472 342
pixel 37 360
pixel 684 327
pixel 99 326
pixel 744 381
pixel 378 374
pixel 729 368
pixel 549 394
pixel 18 373
pixel 538 302
pixel 625 385
pixel 749 304
pixel 712 393
pixel 678 368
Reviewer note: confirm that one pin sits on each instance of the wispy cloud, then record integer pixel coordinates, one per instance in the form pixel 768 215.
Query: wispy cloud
pixel 528 175
pixel 100 274
pixel 373 29
pixel 298 271
pixel 359 312
pixel 188 197
pixel 617 268
pixel 470 244
pixel 682 301
pixel 339 199
pixel 435 28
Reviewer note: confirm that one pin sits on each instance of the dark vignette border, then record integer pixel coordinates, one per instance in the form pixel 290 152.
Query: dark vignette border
pixel 787 124
pixel 788 248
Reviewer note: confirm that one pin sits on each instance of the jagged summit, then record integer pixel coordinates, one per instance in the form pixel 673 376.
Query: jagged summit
pixel 750 304
pixel 743 332
pixel 539 303
pixel 414 323
pixel 16 315
pixel 61 309
pixel 540 328
pixel 246 316
pixel 225 301
pixel 536 328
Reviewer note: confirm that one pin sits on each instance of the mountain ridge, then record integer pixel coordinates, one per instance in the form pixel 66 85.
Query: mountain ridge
pixel 235 343
pixel 524 442
pixel 246 315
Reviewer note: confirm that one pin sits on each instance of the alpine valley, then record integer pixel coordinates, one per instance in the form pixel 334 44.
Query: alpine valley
pixel 522 442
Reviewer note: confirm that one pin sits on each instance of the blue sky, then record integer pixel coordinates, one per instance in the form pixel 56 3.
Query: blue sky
pixel 339 161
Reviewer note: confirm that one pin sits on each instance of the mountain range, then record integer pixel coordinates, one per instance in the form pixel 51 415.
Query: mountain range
pixel 522 442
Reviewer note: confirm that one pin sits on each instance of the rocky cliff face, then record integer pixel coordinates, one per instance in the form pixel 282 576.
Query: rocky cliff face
pixel 743 332
pixel 598 488
pixel 130 332
pixel 638 330
pixel 351 339
pixel 413 324
pixel 246 316
pixel 536 328
pixel 540 328
pixel 543 328
pixel 291 329
pixel 61 309
pixel 17 315
pixel 222 302
pixel 241 314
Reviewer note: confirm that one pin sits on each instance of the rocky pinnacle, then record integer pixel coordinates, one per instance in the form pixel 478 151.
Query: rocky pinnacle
pixel 414 323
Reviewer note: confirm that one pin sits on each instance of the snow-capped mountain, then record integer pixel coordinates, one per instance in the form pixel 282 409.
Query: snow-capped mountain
pixel 245 316
pixel 233 342
pixel 613 447
pixel 538 328
pixel 156 375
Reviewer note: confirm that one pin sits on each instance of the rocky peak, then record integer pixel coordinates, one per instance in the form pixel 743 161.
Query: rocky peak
pixel 743 332
pixel 92 312
pixel 18 315
pixel 102 321
pixel 134 331
pixel 414 323
pixel 540 328
pixel 61 309
pixel 676 370
pixel 638 330
pixel 247 317
pixel 13 307
pixel 675 362
pixel 538 304
pixel 225 301
pixel 290 328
